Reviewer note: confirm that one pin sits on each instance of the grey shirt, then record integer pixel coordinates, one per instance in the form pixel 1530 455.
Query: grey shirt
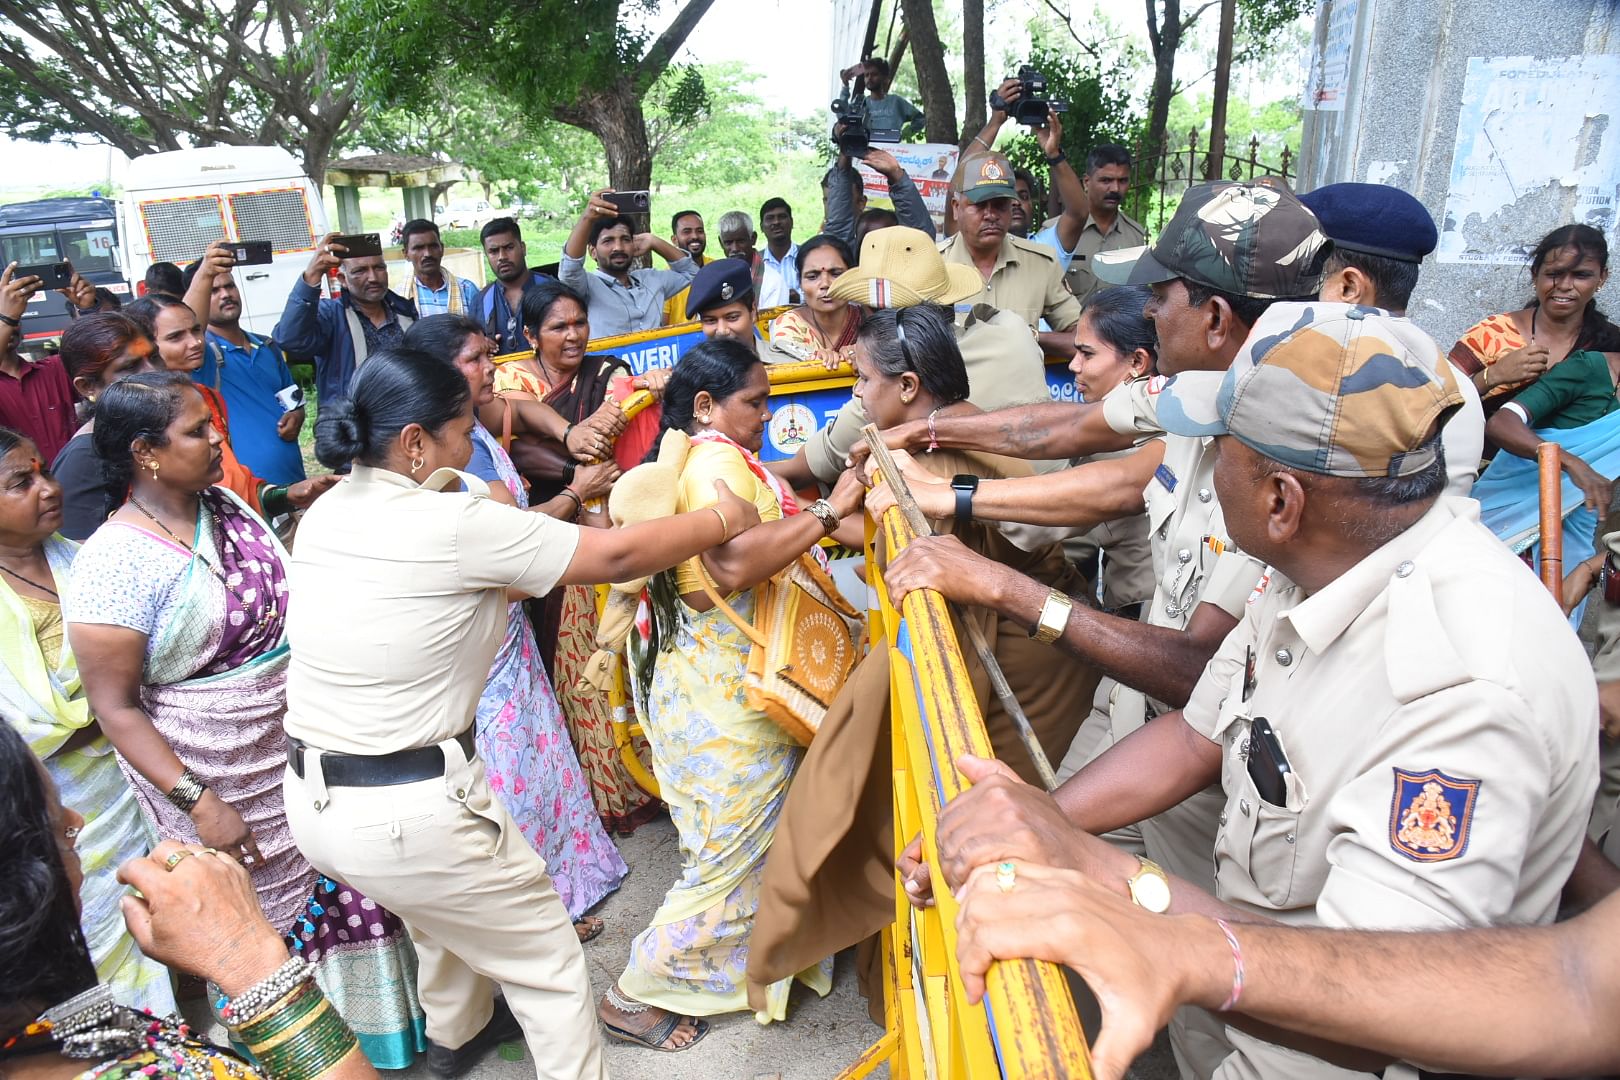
pixel 615 309
pixel 909 207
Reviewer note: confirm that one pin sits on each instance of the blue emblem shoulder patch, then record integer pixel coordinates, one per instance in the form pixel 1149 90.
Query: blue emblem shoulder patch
pixel 1431 814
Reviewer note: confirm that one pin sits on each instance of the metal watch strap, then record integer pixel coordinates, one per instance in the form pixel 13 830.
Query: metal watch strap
pixel 823 512
pixel 1053 619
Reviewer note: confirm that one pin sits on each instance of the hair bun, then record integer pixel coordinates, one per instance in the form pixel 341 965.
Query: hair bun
pixel 340 433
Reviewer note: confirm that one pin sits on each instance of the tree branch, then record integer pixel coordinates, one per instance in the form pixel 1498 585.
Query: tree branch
pixel 668 44
pixel 1186 24
pixel 1068 24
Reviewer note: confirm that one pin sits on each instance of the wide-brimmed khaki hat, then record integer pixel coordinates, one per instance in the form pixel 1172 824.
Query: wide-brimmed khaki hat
pixel 900 267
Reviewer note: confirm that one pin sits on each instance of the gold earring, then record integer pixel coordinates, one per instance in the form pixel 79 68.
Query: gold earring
pixel 153 465
pixel 416 466
pixel 905 399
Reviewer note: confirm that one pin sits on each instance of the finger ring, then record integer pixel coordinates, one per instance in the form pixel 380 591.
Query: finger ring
pixel 1006 876
pixel 176 858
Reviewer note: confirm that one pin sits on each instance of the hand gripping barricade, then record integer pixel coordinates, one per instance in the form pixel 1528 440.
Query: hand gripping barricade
pixel 1026 1026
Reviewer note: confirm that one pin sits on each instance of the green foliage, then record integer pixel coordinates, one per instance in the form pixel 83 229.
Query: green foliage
pixel 537 54
pixel 1275 125
pixel 147 75
pixel 1101 108
pixel 731 141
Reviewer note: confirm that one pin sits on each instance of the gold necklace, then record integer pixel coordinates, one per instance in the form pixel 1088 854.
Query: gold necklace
pixel 264 618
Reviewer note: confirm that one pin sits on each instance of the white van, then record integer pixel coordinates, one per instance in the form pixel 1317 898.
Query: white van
pixel 175 204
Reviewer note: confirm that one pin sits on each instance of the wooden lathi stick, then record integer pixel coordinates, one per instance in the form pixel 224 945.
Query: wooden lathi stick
pixel 1550 458
pixel 906 503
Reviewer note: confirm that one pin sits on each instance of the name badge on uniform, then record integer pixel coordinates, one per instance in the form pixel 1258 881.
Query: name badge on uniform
pixel 1165 476
pixel 1430 815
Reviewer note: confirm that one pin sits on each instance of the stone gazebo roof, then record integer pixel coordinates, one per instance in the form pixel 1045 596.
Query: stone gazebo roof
pixel 396 171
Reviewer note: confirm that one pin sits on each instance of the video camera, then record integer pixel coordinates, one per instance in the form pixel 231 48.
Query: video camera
pixel 851 133
pixel 1032 105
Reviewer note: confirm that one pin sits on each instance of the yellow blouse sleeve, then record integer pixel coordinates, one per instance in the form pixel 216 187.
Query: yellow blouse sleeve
pixel 707 463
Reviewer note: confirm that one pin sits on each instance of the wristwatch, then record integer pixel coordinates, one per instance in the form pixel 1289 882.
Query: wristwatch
pixel 1149 887
pixel 1053 620
pixel 964 484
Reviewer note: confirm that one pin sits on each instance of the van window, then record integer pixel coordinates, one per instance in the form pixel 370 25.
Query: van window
pixel 279 215
pixel 30 248
pixel 181 229
pixel 90 250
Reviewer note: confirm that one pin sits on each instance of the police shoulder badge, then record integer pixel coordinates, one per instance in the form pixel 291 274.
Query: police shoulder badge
pixel 1430 815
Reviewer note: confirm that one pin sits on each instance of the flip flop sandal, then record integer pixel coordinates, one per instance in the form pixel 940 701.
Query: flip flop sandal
pixel 593 929
pixel 654 1037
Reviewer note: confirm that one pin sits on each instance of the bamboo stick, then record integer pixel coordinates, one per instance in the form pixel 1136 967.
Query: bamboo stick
pixel 907 505
pixel 1550 459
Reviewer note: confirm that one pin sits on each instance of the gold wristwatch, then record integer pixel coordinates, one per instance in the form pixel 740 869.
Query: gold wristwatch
pixel 1149 887
pixel 1054 618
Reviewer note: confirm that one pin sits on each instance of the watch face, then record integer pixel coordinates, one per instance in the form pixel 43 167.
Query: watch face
pixel 1152 892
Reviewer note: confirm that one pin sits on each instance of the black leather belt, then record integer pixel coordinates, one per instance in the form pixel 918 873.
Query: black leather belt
pixel 380 770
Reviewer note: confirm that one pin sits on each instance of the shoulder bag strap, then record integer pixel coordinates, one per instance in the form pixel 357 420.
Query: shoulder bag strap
pixel 748 629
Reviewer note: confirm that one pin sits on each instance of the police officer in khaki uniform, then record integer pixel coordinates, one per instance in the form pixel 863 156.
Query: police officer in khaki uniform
pixel 1400 724
pixel 1107 227
pixel 1017 275
pixel 900 267
pixel 1202 580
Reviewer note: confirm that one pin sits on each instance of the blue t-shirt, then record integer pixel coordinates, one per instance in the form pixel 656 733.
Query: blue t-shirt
pixel 248 379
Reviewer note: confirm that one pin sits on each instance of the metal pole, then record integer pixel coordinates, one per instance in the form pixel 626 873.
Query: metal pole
pixel 1223 80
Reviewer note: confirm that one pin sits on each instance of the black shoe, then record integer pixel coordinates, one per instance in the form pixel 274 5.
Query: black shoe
pixel 447 1064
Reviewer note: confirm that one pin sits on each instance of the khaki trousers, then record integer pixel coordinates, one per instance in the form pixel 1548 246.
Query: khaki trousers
pixel 444 855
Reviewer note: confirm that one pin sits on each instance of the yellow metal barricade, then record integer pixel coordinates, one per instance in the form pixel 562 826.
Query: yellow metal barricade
pixel 1027 1026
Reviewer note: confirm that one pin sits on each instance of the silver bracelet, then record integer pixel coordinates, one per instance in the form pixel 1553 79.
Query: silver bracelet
pixel 187 791
pixel 247 1005
pixel 824 513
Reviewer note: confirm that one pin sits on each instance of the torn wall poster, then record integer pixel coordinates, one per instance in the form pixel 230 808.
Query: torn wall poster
pixel 1536 148
pixel 1329 79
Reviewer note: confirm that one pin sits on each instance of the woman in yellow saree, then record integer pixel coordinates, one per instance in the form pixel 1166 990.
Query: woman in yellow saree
pixel 41 697
pixel 723 767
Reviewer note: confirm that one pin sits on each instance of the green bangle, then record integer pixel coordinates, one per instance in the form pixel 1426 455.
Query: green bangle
pixel 303 1039
pixel 274 501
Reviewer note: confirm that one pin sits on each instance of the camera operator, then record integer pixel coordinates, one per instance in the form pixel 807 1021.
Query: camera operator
pixel 882 110
pixel 1062 233
pixel 843 181
pixel 622 300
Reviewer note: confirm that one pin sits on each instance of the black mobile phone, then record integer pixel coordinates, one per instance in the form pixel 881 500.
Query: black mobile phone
pixel 1268 765
pixel 51 275
pixel 359 245
pixel 252 252
pixel 630 202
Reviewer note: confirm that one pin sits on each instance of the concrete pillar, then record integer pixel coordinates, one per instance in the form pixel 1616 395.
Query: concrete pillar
pixel 1395 111
pixel 348 208
pixel 418 203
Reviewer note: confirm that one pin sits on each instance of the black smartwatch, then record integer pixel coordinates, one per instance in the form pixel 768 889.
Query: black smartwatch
pixel 964 484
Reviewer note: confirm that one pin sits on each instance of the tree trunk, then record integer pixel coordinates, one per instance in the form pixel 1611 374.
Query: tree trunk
pixel 1165 40
pixel 973 67
pixel 928 57
pixel 614 115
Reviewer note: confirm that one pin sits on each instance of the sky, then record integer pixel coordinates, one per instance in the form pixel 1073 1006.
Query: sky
pixel 788 42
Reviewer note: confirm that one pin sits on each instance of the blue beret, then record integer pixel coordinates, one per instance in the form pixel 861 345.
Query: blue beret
pixel 723 281
pixel 1374 219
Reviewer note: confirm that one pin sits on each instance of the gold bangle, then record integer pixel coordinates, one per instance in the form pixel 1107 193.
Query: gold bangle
pixel 725 526
pixel 1054 618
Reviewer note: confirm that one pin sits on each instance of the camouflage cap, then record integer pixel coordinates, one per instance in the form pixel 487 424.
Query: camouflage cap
pixel 1335 389
pixel 1249 239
